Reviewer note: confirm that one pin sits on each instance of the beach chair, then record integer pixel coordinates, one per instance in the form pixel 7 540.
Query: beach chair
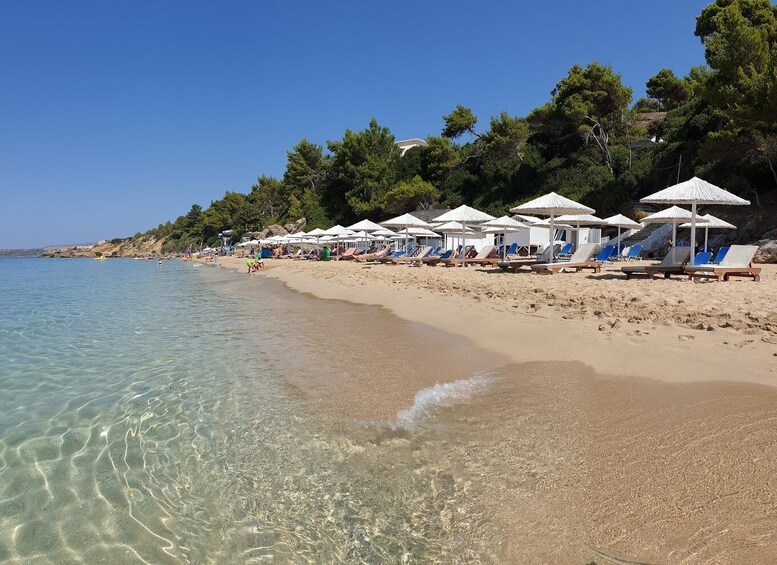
pixel 702 258
pixel 486 256
pixel 566 251
pixel 515 265
pixel 672 264
pixel 432 261
pixel 605 253
pixel 349 253
pixel 738 262
pixel 512 250
pixel 634 254
pixel 720 255
pixel 467 252
pixel 580 259
pixel 416 257
pixel 373 256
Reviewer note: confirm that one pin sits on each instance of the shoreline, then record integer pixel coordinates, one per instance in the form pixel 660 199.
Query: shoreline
pixel 529 330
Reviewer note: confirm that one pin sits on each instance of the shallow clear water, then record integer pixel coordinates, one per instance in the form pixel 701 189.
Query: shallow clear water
pixel 146 417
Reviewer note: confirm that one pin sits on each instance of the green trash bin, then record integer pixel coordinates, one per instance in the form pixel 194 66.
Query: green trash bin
pixel 325 252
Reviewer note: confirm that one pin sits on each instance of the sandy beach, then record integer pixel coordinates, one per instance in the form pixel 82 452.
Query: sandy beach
pixel 631 419
pixel 672 330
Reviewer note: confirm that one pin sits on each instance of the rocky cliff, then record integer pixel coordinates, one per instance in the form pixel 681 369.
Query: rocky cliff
pixel 146 246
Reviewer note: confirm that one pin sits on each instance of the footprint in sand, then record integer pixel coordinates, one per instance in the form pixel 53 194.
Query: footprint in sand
pixel 686 337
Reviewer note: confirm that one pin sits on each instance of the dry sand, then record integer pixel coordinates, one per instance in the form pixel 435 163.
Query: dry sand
pixel 674 330
pixel 650 435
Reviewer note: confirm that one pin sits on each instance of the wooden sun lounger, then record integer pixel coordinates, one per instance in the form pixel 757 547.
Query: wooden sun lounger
pixel 416 258
pixel 372 256
pixel 738 262
pixel 347 254
pixel 515 265
pixel 482 258
pixel 580 260
pixel 672 264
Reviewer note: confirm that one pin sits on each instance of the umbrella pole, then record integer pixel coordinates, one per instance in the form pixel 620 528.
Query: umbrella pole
pixel 551 237
pixel 674 233
pixel 706 234
pixel 693 232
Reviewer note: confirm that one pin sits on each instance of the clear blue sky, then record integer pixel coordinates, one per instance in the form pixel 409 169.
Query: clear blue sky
pixel 116 116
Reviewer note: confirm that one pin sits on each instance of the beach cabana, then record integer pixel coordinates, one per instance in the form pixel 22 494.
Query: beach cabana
pixel 712 223
pixel 695 192
pixel 552 205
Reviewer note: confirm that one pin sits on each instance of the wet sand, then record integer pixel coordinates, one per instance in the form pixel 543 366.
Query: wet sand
pixel 553 461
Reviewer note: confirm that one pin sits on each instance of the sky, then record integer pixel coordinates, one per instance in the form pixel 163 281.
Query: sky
pixel 118 116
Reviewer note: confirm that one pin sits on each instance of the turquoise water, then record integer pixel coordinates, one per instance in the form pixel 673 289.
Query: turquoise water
pixel 145 417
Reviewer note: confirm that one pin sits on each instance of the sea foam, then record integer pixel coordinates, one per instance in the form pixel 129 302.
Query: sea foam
pixel 441 395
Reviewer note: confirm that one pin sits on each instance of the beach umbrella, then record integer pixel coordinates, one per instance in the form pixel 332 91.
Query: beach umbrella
pixel 674 215
pixel 504 224
pixel 527 219
pixel 365 225
pixel 453 228
pixel 465 215
pixel 337 232
pixel 316 233
pixel 406 221
pixel 552 205
pixel 712 224
pixel 695 192
pixel 622 222
pixel 578 220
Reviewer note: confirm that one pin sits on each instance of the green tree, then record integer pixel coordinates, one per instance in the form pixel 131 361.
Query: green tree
pixel 740 42
pixel 503 146
pixel 410 195
pixel 595 100
pixel 460 121
pixel 304 181
pixel 364 168
pixel 441 159
pixel 669 90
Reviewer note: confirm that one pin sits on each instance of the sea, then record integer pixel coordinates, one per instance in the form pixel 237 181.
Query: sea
pixel 177 413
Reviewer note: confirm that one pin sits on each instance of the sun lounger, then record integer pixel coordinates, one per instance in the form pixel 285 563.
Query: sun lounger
pixel 580 260
pixel 373 256
pixel 672 264
pixel 720 255
pixel 702 258
pixel 634 253
pixel 416 257
pixel 484 257
pixel 514 265
pixel 566 251
pixel 467 252
pixel 432 261
pixel 738 262
pixel 349 253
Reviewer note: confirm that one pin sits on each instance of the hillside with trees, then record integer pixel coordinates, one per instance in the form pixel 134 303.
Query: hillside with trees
pixel 591 142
